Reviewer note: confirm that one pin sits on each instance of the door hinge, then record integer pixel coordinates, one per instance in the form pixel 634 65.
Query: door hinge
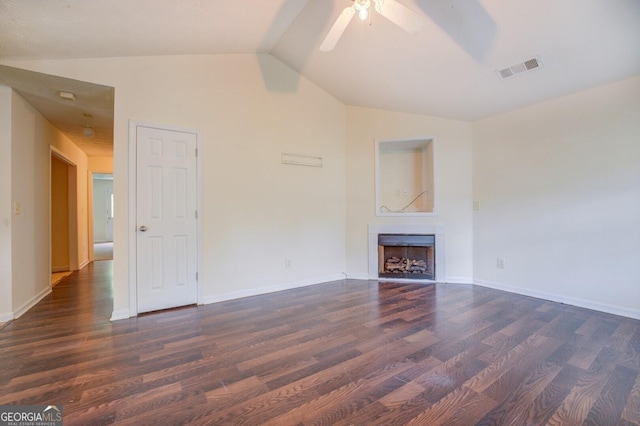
pixel 196 152
pixel 196 214
pixel 196 276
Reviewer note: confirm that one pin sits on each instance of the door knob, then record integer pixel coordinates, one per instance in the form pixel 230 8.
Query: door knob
pixel 143 228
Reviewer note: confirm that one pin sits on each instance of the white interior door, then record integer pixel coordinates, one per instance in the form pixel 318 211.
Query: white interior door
pixel 166 241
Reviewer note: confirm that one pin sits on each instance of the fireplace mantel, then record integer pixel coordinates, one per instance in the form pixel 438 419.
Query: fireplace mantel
pixel 437 230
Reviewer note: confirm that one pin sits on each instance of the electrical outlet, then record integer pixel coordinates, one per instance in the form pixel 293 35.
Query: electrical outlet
pixel 476 205
pixel 287 263
pixel 500 263
pixel 17 209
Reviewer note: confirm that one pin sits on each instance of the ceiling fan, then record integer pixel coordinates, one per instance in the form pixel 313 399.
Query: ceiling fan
pixel 400 15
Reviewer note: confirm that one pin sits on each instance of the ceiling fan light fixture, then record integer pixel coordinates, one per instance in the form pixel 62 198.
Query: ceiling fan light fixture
pixel 88 131
pixel 362 7
pixel 395 12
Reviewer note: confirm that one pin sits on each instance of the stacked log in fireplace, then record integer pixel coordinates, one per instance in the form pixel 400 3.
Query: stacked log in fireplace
pixel 404 266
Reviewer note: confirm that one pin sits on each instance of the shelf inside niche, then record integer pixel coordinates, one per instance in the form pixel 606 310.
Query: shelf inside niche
pixel 405 177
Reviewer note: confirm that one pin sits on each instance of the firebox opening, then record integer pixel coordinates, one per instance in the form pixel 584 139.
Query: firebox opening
pixel 403 256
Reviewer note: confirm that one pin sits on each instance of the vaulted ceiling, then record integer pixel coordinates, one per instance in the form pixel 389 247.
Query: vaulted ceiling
pixel 447 70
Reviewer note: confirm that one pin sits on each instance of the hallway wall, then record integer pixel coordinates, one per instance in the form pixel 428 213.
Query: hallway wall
pixel 5 204
pixel 25 231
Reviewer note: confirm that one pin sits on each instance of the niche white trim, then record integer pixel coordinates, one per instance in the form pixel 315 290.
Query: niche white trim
pixel 406 177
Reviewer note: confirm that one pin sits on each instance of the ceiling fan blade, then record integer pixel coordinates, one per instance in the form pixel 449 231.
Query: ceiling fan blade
pixel 400 15
pixel 338 28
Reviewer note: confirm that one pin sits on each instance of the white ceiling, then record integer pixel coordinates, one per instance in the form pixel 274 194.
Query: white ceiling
pixel 447 70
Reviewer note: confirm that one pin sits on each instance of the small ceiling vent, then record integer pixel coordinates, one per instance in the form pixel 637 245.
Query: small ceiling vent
pixel 519 68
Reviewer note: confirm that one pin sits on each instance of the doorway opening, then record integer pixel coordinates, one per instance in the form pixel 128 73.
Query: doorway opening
pixel 103 214
pixel 63 217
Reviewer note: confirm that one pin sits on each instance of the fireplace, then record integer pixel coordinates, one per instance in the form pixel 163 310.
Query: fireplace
pixel 406 256
pixel 438 243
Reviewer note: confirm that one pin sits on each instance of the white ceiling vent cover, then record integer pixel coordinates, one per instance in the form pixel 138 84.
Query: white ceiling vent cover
pixel 519 68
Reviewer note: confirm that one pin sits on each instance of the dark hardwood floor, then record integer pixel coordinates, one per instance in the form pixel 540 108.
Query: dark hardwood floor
pixel 342 353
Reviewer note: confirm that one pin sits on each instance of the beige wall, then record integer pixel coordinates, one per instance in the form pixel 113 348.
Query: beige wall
pixel 59 215
pixel 453 180
pixel 100 164
pixel 29 188
pixel 6 208
pixel 256 211
pixel 558 185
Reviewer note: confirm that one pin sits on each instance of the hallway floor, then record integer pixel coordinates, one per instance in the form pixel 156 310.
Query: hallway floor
pixel 56 277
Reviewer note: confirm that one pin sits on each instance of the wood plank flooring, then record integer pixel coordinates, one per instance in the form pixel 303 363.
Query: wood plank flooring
pixel 342 353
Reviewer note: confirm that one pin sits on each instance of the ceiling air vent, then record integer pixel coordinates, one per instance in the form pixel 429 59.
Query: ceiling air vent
pixel 505 73
pixel 532 63
pixel 519 68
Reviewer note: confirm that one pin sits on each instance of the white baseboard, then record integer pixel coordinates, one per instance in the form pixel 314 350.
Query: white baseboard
pixel 31 303
pixel 360 277
pixel 452 280
pixel 55 269
pixel 271 289
pixel 459 280
pixel 6 317
pixel 120 314
pixel 405 281
pixel 582 303
pixel 84 263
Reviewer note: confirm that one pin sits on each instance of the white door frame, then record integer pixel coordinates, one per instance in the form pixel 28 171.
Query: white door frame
pixel 133 208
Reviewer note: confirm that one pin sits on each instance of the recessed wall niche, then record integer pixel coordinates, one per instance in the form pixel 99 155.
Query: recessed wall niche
pixel 405 177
